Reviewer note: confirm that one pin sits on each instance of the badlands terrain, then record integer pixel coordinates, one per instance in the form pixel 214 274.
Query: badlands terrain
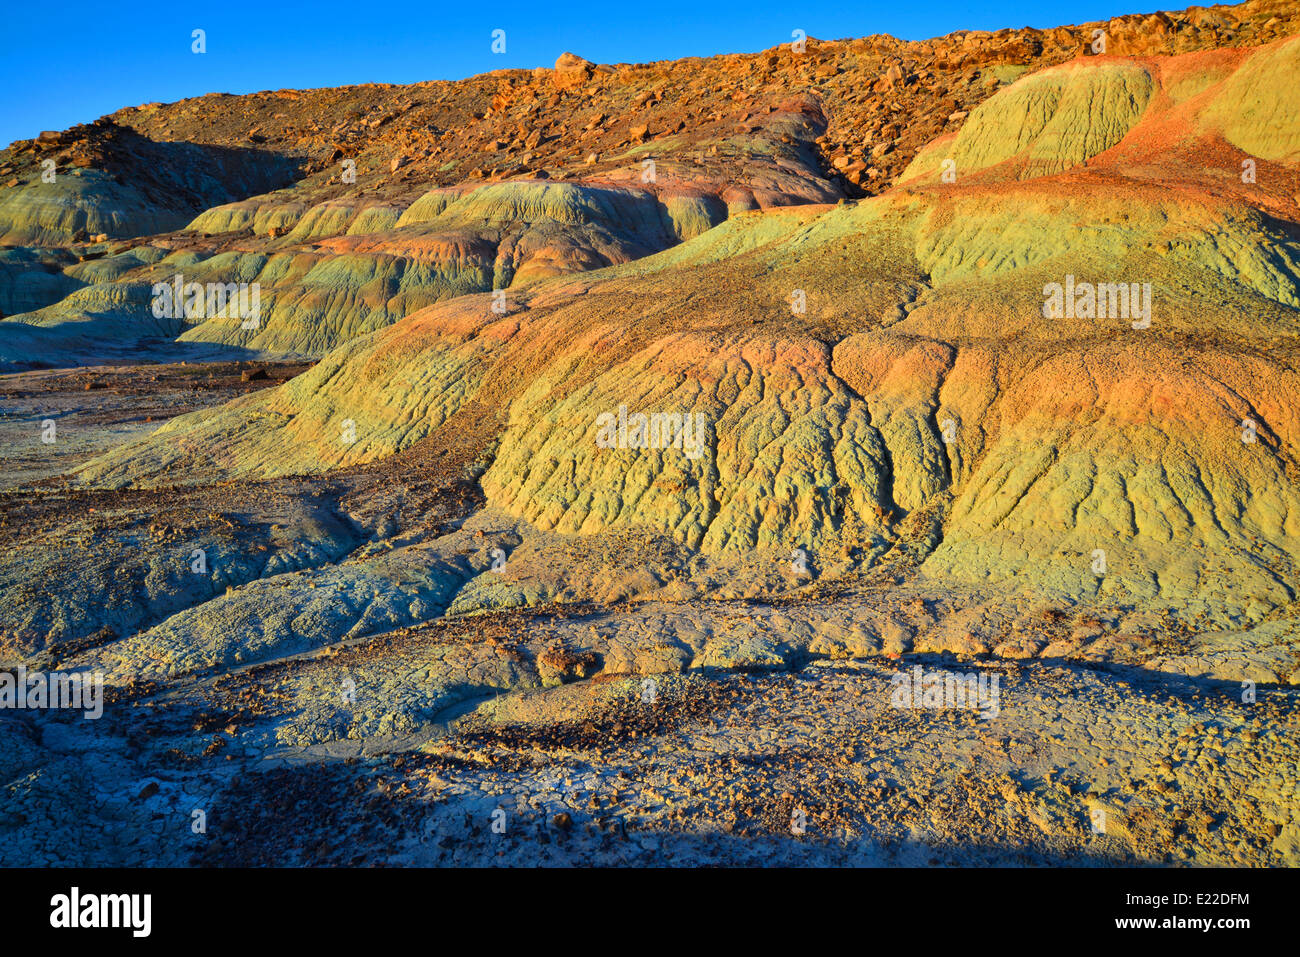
pixel 607 442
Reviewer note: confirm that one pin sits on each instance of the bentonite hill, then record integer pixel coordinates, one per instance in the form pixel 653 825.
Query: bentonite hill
pixel 859 452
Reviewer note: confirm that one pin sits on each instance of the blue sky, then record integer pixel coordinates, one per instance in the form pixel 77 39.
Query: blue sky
pixel 73 61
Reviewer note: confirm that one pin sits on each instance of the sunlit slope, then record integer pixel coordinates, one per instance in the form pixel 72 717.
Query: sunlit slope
pixel 872 376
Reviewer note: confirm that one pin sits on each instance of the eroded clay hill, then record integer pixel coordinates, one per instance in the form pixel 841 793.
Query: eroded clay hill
pixel 392 198
pixel 773 377
pixel 881 384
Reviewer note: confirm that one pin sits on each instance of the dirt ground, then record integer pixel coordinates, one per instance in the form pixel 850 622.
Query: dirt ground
pixel 571 732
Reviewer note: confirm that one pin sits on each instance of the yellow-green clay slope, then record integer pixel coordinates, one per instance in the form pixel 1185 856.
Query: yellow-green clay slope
pixel 884 378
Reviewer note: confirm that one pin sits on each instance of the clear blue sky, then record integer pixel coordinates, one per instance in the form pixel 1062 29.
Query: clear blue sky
pixel 72 61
